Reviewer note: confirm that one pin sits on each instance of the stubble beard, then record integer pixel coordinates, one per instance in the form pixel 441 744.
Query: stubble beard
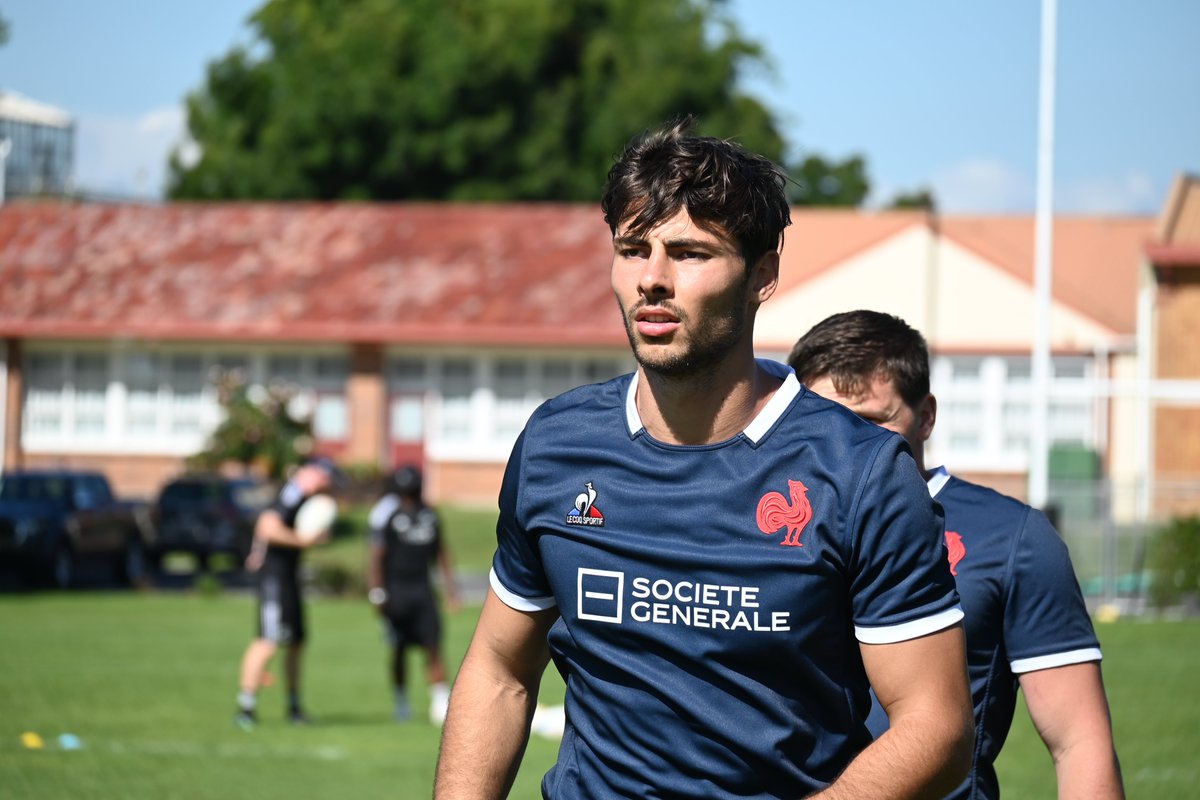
pixel 707 348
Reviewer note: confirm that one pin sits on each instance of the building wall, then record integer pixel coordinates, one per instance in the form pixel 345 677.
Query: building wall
pixel 366 402
pixel 1177 428
pixel 472 484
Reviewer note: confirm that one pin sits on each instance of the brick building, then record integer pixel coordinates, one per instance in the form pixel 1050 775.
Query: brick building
pixel 430 332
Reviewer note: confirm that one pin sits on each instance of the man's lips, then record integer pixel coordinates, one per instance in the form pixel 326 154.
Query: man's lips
pixel 654 322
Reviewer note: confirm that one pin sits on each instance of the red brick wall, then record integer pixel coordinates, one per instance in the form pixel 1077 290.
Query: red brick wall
pixel 1177 430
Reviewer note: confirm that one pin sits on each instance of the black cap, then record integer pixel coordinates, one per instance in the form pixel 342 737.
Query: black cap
pixel 407 481
pixel 336 476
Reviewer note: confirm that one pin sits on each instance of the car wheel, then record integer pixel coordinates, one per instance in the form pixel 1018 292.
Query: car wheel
pixel 62 567
pixel 132 567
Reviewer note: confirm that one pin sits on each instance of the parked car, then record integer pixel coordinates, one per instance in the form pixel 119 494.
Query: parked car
pixel 54 522
pixel 205 514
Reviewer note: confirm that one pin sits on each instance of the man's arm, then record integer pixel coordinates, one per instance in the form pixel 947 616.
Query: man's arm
pixel 1070 712
pixel 269 529
pixel 926 752
pixel 449 581
pixel 492 702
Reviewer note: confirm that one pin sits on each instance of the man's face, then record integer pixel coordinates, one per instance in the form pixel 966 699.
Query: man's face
pixel 312 478
pixel 882 404
pixel 685 295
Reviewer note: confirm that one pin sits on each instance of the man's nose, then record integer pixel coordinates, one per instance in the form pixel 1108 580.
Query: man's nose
pixel 657 278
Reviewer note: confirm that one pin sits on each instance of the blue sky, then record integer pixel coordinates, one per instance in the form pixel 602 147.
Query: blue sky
pixel 933 93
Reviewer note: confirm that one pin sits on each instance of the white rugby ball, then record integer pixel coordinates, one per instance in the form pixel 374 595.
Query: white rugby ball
pixel 315 516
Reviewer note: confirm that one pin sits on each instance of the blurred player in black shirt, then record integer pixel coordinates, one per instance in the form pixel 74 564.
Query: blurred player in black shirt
pixel 275 558
pixel 405 540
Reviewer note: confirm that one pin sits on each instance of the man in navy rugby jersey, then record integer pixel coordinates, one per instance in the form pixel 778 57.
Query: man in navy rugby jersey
pixel 1026 622
pixel 719 562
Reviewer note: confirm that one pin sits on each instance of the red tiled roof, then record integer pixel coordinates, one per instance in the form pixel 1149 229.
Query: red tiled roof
pixel 504 274
pixel 512 274
pixel 820 238
pixel 1095 259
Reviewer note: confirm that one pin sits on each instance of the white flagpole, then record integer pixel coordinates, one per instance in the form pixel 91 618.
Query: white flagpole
pixel 1043 266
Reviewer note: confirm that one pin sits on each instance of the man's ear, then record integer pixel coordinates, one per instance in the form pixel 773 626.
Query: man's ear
pixel 927 417
pixel 764 277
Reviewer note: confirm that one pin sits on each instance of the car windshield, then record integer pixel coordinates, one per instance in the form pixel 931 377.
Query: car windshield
pixel 254 496
pixel 24 487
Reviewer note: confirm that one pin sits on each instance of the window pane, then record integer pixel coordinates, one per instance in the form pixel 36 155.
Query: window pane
pixel 510 379
pixel 91 387
pixel 329 421
pixel 45 376
pixel 332 371
pixel 141 378
pixel 556 377
pixel 284 369
pixel 597 371
pixel 457 385
pixel 408 373
pixel 408 419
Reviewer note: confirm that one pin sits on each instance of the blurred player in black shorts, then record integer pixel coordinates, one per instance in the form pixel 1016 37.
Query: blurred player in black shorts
pixel 275 558
pixel 405 540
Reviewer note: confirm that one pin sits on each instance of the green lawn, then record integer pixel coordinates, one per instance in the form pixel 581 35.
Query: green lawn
pixel 146 682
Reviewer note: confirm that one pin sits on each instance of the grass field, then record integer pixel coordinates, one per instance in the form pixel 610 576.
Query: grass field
pixel 146 682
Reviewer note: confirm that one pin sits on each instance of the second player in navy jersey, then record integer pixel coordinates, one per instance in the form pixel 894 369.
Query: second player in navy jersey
pixel 1027 625
pixel 718 562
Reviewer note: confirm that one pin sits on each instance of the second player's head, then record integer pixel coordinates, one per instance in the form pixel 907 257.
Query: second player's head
pixel 874 364
pixel 855 347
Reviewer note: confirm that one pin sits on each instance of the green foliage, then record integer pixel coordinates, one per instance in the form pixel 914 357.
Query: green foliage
pixel 3 31
pixel 922 199
pixel 1174 562
pixel 827 183
pixel 484 100
pixel 257 430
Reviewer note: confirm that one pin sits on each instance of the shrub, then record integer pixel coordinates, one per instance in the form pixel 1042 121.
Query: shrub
pixel 1174 561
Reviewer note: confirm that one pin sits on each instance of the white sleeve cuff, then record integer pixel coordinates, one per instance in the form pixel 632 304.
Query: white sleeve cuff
pixel 1021 665
pixel 515 601
pixel 917 628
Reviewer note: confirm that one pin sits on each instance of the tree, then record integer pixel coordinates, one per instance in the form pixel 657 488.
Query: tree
pixel 258 430
pixel 3 31
pixel 826 183
pixel 921 198
pixel 459 99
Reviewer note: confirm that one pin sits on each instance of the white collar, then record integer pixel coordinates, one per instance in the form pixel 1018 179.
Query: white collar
pixel 758 426
pixel 937 480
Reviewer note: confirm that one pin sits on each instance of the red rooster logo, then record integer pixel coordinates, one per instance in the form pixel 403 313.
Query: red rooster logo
pixel 954 544
pixel 776 511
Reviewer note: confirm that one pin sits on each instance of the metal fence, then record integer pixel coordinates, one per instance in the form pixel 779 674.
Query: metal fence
pixel 1109 542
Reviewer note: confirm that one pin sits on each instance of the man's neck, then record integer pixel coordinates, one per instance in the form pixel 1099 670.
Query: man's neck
pixel 703 409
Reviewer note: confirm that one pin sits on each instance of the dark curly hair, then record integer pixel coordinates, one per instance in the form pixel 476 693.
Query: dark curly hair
pixel 725 189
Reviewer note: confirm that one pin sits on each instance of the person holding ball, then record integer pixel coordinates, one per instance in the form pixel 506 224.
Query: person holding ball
pixel 275 560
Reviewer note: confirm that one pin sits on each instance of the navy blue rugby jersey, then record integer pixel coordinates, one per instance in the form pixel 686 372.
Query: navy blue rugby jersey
pixel 712 598
pixel 1023 607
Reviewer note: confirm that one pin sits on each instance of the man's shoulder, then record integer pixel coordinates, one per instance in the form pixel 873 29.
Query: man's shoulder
pixel 824 424
pixel 582 405
pixel 969 505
